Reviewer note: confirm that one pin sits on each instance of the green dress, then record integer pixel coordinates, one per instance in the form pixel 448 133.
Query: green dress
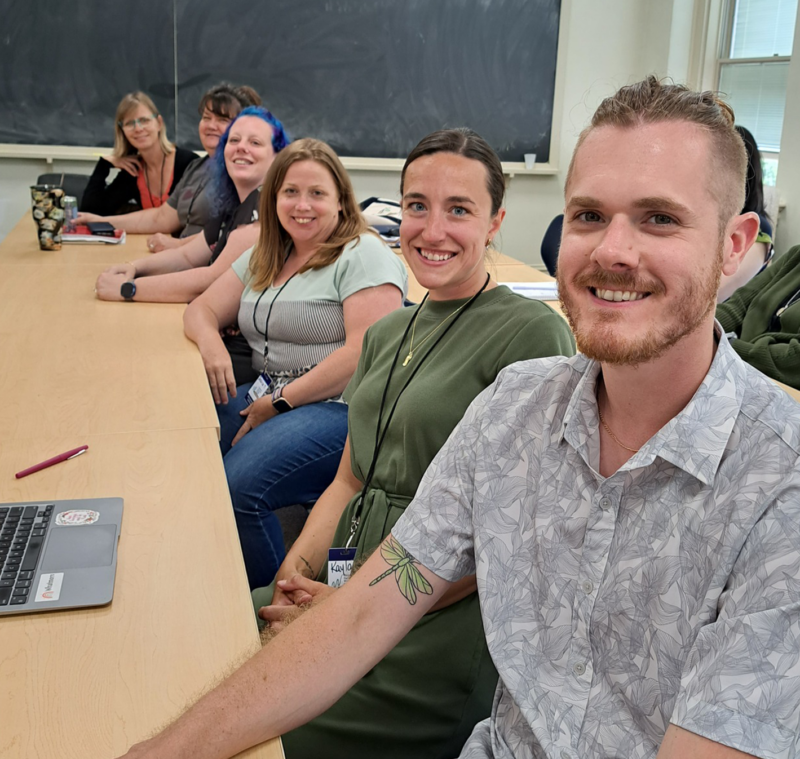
pixel 425 697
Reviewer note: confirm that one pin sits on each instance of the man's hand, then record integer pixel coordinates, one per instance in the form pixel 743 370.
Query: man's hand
pixel 256 413
pixel 158 242
pixel 297 591
pixel 108 285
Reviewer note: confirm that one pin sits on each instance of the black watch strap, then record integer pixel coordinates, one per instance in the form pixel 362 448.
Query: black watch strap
pixel 128 290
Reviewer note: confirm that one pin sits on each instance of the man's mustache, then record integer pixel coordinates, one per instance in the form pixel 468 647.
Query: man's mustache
pixel 600 279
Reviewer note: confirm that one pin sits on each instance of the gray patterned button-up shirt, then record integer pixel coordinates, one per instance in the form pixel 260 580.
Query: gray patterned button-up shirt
pixel 668 592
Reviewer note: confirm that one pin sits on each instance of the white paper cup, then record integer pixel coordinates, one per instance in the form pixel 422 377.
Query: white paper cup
pixel 530 160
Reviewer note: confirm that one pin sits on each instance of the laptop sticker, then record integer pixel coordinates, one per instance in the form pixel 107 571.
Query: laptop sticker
pixel 49 587
pixel 77 517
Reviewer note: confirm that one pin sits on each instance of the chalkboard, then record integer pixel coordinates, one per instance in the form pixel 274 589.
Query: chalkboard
pixel 370 77
pixel 64 67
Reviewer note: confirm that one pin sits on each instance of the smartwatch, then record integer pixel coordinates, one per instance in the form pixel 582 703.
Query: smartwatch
pixel 280 403
pixel 128 290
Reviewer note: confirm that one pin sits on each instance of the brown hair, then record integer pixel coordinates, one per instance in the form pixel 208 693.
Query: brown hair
pixel 652 101
pixel 268 254
pixel 226 100
pixel 126 106
pixel 469 144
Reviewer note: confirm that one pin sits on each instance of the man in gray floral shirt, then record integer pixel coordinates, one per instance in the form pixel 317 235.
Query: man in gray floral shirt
pixel 632 515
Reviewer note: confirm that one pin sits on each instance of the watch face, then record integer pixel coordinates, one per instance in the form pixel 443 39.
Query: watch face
pixel 281 405
pixel 128 290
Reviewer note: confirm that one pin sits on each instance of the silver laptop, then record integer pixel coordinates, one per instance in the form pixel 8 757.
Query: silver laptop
pixel 58 554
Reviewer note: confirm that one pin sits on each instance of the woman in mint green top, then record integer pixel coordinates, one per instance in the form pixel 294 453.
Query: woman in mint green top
pixel 304 296
pixel 425 697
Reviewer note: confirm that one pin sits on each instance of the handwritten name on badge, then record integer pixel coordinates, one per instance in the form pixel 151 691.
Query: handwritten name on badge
pixel 340 565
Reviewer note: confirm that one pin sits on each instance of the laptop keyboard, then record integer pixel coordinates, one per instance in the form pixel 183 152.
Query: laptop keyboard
pixel 22 533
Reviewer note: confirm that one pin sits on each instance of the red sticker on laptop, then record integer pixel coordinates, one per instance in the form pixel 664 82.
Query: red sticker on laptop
pixel 76 517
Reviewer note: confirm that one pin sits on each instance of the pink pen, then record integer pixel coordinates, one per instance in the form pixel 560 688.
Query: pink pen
pixel 50 462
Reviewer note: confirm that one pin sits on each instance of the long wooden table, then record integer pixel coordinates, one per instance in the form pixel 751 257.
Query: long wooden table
pixel 123 379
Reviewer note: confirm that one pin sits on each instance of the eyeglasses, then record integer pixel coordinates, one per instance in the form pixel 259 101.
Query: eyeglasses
pixel 133 123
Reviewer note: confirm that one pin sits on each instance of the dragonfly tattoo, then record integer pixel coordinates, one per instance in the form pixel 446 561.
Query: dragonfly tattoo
pixel 401 565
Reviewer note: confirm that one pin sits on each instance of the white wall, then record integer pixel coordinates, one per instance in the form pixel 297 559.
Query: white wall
pixel 788 182
pixel 604 45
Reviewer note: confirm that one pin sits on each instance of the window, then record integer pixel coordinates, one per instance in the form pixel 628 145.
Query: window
pixel 753 65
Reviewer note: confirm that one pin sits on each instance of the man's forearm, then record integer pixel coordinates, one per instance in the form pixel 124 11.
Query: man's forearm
pixel 298 675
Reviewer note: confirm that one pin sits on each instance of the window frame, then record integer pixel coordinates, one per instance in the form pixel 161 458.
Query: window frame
pixel 726 38
pixel 723 57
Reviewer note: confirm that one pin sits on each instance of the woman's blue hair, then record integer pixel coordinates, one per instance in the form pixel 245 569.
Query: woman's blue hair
pixel 225 197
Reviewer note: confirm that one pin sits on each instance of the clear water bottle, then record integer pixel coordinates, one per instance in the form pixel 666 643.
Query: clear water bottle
pixel 70 212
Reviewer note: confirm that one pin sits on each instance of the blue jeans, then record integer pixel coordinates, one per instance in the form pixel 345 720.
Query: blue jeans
pixel 288 459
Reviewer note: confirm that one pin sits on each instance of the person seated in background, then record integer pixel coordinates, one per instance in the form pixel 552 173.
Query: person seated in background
pixel 432 361
pixel 630 513
pixel 762 319
pixel 188 208
pixel 150 165
pixel 244 155
pixel 760 252
pixel 304 296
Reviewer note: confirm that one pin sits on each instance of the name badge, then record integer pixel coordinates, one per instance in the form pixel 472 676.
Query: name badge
pixel 340 565
pixel 259 388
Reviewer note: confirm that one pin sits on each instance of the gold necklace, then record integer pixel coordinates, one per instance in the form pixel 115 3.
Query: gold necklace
pixel 430 334
pixel 613 436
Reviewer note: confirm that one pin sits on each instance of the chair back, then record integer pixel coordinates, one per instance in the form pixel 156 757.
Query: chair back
pixel 72 184
pixel 550 244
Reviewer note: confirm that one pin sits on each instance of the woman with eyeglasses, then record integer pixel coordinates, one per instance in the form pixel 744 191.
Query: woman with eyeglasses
pixel 188 208
pixel 150 165
pixel 243 156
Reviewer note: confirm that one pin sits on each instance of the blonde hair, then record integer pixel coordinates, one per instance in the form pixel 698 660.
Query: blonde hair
pixel 652 101
pixel 268 255
pixel 127 105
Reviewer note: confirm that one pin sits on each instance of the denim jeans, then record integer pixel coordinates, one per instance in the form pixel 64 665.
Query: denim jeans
pixel 288 459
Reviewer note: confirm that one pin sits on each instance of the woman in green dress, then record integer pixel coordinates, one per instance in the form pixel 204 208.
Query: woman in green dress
pixel 419 370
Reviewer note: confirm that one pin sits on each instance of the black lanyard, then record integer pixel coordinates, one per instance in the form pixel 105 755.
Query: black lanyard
pixel 380 436
pixel 197 192
pixel 269 314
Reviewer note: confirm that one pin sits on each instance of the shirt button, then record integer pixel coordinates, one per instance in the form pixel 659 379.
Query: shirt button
pixel 579 668
pixel 605 503
pixel 587 586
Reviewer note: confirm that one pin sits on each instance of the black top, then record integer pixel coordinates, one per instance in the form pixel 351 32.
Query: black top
pixel 122 195
pixel 219 228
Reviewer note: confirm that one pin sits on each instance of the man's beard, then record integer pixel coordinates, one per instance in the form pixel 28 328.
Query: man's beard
pixel 601 337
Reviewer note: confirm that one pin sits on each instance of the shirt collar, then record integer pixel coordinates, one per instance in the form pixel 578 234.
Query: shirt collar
pixel 694 440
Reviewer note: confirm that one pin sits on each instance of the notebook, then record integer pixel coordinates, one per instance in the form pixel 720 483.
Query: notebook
pixel 58 554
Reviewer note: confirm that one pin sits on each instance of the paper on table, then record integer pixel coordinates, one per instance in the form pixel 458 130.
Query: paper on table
pixel 77 237
pixel 535 290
